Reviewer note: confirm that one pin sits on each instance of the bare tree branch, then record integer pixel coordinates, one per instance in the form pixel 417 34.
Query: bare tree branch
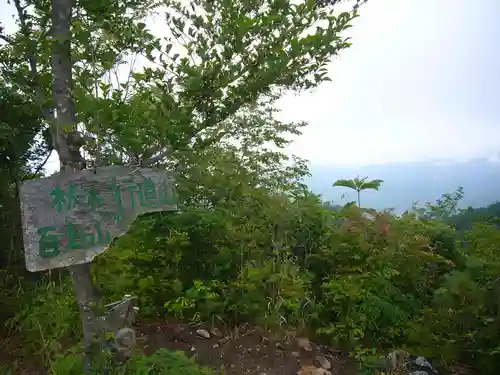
pixel 25 31
pixel 155 159
pixel 5 37
pixel 40 167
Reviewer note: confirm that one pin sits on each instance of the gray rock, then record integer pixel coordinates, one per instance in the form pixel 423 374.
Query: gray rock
pixel 203 333
pixel 125 337
pixel 304 344
pixel 323 362
pixel 422 362
pixel 414 365
pixel 419 365
pixel 313 370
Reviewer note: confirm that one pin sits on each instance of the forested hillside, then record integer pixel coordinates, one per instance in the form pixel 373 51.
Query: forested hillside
pixel 254 273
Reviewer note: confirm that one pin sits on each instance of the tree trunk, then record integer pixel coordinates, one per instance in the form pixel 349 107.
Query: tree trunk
pixel 67 143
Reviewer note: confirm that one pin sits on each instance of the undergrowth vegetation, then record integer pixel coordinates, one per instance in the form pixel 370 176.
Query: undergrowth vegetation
pixel 356 279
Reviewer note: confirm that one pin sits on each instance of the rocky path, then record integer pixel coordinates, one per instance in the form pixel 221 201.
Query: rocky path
pixel 243 351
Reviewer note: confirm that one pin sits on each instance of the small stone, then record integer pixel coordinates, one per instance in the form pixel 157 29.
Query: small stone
pixel 323 362
pixel 304 344
pixel 203 333
pixel 125 338
pixel 232 366
pixel 312 370
pixel 420 365
pixel 296 354
pixel 423 362
pixel 215 346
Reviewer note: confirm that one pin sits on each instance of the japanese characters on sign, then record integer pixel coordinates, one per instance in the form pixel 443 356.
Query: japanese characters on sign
pixel 70 218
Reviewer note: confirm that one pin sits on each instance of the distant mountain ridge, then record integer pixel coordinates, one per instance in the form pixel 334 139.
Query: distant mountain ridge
pixel 408 182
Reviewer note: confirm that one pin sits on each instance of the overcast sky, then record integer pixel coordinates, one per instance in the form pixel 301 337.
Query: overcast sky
pixel 420 82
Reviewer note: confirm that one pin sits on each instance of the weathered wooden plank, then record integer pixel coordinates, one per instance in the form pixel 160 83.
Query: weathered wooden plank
pixel 69 218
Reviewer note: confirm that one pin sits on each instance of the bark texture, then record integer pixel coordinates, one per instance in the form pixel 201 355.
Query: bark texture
pixel 67 142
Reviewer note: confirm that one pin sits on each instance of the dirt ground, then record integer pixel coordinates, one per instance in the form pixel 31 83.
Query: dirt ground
pixel 242 351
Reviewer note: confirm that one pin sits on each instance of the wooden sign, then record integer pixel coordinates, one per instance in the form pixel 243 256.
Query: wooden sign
pixel 69 218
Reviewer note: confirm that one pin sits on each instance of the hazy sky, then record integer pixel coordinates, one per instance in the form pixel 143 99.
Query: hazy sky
pixel 420 82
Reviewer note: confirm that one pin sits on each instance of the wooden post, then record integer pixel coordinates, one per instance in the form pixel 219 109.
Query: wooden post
pixel 108 216
pixel 67 143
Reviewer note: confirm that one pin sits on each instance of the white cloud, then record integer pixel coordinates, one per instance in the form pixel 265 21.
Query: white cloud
pixel 418 83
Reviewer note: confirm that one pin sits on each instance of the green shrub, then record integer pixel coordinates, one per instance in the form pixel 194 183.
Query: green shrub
pixel 360 279
pixel 162 362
